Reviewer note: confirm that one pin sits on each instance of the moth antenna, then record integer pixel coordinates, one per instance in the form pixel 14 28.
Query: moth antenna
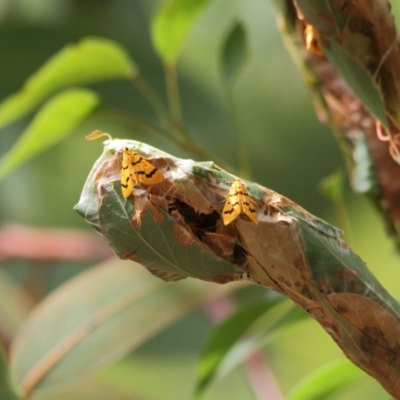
pixel 96 134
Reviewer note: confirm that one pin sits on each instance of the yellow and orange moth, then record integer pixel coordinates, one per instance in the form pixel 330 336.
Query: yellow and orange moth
pixel 238 202
pixel 135 169
pixel 312 40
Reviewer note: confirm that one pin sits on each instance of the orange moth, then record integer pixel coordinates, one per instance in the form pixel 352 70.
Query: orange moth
pixel 135 169
pixel 238 202
pixel 312 40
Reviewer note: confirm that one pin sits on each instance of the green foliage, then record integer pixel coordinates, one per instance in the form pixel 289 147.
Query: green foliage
pixel 234 54
pixel 126 308
pixel 332 186
pixel 327 380
pixel 223 337
pixel 53 123
pixel 230 332
pixel 7 389
pixel 91 60
pixel 359 80
pixel 104 314
pixel 171 25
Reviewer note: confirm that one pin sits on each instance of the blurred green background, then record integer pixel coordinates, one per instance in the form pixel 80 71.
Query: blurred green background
pixel 290 153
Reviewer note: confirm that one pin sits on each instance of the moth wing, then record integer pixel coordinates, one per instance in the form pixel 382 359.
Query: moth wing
pixel 147 173
pixel 232 207
pixel 247 204
pixel 144 171
pixel 238 202
pixel 250 210
pixel 128 180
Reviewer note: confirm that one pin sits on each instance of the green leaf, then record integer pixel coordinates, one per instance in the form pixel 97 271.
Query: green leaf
pixel 7 389
pixel 165 238
pixel 326 381
pixel 234 54
pixel 360 81
pixel 93 320
pixel 332 186
pixel 171 25
pixel 55 120
pixel 226 335
pixel 91 60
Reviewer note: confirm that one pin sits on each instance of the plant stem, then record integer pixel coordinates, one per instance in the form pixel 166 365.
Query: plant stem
pixel 184 143
pixel 174 121
pixel 152 97
pixel 174 102
pixel 242 148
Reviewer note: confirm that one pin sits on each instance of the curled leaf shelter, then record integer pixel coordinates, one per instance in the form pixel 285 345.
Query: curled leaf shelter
pixel 177 228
